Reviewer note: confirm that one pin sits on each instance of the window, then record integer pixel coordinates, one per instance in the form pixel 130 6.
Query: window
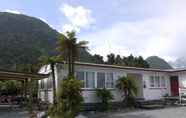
pixel 42 84
pixel 109 80
pixel 90 80
pixel 163 82
pixel 49 83
pixel 157 81
pixel 152 81
pixel 80 76
pixel 100 80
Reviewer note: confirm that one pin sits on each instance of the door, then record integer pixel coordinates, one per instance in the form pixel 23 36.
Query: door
pixel 174 86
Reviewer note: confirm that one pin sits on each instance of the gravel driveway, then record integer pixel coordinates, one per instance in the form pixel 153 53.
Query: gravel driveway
pixel 9 113
pixel 178 112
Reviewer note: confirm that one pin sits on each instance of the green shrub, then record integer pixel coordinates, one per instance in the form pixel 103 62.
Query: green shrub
pixel 105 96
pixel 69 99
pixel 129 90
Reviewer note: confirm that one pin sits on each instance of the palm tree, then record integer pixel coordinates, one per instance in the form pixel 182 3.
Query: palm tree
pixel 69 49
pixel 46 60
pixel 128 87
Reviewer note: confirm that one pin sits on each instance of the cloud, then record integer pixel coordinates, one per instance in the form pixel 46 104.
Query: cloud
pixel 13 11
pixel 162 34
pixel 78 17
pixel 148 37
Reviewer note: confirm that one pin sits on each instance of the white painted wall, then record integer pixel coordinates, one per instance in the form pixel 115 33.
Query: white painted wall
pixel 90 96
pixel 155 93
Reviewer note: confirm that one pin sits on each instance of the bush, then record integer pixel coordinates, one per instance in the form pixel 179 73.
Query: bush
pixel 128 87
pixel 69 99
pixel 105 96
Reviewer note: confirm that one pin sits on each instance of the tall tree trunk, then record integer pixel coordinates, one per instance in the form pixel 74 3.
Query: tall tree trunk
pixel 54 83
pixel 69 65
pixel 72 64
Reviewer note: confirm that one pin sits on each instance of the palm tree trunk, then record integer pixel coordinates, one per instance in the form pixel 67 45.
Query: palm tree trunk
pixel 54 83
pixel 69 64
pixel 72 64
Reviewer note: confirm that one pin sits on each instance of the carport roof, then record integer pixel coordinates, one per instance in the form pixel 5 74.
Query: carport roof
pixel 14 75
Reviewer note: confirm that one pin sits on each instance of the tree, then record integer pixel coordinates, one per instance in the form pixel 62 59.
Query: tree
pixel 69 99
pixel 69 49
pixel 128 88
pixel 118 60
pixel 45 60
pixel 105 96
pixel 98 59
pixel 110 59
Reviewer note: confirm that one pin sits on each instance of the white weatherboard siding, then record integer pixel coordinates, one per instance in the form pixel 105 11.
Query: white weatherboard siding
pixel 182 80
pixel 151 93
pixel 147 91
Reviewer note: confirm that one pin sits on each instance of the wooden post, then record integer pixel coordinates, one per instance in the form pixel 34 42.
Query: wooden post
pixel 25 87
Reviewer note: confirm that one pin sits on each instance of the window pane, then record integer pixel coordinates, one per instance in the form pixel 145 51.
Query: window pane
pixel 151 81
pixel 100 80
pixel 163 82
pixel 90 81
pixel 157 81
pixel 110 81
pixel 49 83
pixel 80 76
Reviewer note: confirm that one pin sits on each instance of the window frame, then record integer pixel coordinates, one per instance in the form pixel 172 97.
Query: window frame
pixel 112 81
pixel 157 81
pixel 85 74
pixel 104 80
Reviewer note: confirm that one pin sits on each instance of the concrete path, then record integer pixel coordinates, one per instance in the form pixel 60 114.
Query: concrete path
pixel 179 112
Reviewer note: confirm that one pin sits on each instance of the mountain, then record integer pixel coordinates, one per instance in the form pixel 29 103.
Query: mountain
pixel 179 63
pixel 158 63
pixel 23 39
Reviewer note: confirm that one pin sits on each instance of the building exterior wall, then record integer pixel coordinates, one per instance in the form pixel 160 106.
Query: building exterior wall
pixel 151 93
pixel 90 94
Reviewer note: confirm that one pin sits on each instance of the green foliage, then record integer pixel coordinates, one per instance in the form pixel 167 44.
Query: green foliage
pixel 23 39
pixel 105 96
pixel 11 87
pixel 69 99
pixel 128 88
pixel 68 48
pixel 126 61
pixel 158 63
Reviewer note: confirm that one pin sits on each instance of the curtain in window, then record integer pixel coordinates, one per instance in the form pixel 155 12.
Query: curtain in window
pixel 109 80
pixel 100 80
pixel 90 80
pixel 80 76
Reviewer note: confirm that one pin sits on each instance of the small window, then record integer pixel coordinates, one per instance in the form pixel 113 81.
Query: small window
pixel 90 80
pixel 157 81
pixel 100 80
pixel 110 80
pixel 42 84
pixel 49 83
pixel 163 82
pixel 80 76
pixel 152 83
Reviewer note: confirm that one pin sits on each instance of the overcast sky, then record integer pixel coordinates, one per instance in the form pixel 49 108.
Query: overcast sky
pixel 140 27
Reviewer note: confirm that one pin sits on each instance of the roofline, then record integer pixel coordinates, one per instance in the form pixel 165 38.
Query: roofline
pixel 126 67
pixel 25 74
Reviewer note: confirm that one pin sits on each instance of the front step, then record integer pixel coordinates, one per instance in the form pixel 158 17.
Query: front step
pixel 151 104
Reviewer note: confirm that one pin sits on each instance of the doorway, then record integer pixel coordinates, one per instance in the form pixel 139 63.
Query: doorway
pixel 174 84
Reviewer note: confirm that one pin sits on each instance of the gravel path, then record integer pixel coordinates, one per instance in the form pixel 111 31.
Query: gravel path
pixel 9 113
pixel 178 112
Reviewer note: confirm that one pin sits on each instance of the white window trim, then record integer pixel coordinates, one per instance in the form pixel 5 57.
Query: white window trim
pixel 160 82
pixel 106 79
pixel 95 79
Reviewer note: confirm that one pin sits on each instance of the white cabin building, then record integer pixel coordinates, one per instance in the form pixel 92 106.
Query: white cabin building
pixel 152 84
